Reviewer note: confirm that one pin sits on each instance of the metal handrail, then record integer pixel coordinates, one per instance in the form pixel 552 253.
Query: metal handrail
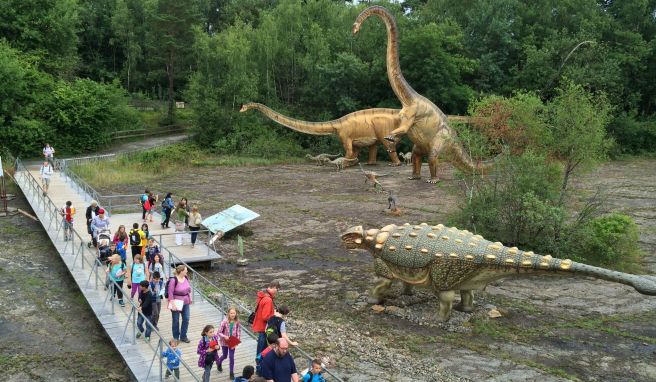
pixel 51 213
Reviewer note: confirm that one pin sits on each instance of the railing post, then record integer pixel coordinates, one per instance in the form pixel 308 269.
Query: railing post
pixel 134 324
pixel 159 356
pixel 113 291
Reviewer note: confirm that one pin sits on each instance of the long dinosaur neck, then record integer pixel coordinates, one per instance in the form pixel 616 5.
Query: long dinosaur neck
pixel 314 128
pixel 401 88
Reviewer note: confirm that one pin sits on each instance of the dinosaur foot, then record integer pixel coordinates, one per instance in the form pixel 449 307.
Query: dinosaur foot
pixel 462 308
pixel 432 180
pixel 389 138
pixel 375 300
pixel 414 177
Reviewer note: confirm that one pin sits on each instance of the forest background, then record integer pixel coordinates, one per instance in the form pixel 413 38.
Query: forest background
pixel 563 84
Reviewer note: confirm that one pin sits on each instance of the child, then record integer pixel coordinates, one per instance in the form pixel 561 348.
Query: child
pixel 152 250
pixel 67 214
pixel 207 351
pixel 172 360
pixel 272 340
pixel 156 265
pixel 246 374
pixel 144 240
pixel 120 249
pixel 276 324
pixel 138 273
pixel 152 199
pixel 116 271
pixel 230 327
pixel 146 300
pixel 157 287
pixel 314 374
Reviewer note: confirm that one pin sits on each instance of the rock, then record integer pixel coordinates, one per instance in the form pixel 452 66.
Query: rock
pixel 351 296
pixel 395 310
pixel 493 313
pixel 378 308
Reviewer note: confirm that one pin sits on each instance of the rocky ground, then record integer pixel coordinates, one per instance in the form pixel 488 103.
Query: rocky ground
pixel 47 330
pixel 547 329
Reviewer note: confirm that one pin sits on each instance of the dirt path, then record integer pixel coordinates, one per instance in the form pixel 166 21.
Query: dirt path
pixel 47 330
pixel 552 329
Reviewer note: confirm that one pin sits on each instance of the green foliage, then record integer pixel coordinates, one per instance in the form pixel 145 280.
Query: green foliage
pixel 633 136
pixel 83 113
pixel 610 240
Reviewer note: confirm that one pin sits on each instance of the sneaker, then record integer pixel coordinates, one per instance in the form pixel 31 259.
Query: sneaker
pixel 232 376
pixel 147 339
pixel 185 340
pixel 219 368
pixel 121 303
pixel 138 335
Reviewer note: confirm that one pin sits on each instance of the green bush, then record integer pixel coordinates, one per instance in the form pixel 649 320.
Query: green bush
pixel 633 136
pixel 609 240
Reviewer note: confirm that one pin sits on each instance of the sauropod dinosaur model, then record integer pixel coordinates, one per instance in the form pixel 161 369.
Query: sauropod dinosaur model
pixel 449 260
pixel 363 128
pixel 342 162
pixel 322 159
pixel 424 123
pixel 370 176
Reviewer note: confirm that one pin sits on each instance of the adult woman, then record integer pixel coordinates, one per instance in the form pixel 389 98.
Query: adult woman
pixel 121 236
pixel 92 211
pixel 194 224
pixel 186 207
pixel 180 297
pixel 179 219
pixel 167 207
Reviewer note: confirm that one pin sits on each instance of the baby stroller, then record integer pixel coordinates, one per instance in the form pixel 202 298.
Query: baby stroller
pixel 104 242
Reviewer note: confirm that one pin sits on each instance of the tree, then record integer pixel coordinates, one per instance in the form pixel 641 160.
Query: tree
pixel 170 40
pixel 44 29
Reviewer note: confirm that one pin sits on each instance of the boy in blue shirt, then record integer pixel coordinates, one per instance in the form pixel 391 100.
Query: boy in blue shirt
pixel 314 374
pixel 172 359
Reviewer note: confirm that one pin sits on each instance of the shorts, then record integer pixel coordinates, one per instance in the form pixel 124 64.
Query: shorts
pixel 46 181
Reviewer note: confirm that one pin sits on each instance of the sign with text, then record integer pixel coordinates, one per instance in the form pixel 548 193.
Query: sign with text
pixel 229 219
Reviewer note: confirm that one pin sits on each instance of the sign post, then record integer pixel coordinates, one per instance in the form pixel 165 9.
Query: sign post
pixel 3 190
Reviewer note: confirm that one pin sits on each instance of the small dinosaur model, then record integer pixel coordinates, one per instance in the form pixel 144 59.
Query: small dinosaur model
pixel 363 128
pixel 322 159
pixel 342 162
pixel 391 200
pixel 407 158
pixel 449 260
pixel 424 123
pixel 370 176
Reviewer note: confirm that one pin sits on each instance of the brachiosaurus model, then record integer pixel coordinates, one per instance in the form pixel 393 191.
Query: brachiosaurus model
pixel 356 130
pixel 424 123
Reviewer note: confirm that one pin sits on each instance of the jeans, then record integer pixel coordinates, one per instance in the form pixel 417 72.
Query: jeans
pixel 206 373
pixel 140 322
pixel 154 317
pixel 167 217
pixel 118 292
pixel 175 371
pixel 225 352
pixel 136 250
pixel 261 342
pixel 194 234
pixel 180 331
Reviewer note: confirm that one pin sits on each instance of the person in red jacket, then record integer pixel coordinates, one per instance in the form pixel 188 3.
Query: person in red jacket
pixel 264 309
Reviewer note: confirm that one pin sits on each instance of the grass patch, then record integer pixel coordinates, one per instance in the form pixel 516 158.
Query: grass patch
pixel 147 166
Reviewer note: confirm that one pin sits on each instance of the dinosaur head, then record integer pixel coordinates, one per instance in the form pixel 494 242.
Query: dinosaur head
pixel 246 107
pixel 353 238
pixel 356 28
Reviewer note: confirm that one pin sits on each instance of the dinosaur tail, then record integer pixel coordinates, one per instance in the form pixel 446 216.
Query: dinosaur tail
pixel 314 128
pixel 497 254
pixel 465 163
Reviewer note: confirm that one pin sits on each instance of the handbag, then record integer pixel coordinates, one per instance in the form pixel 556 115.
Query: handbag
pixel 251 317
pixel 179 227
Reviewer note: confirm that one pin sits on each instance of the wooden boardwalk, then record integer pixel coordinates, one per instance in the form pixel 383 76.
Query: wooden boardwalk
pixel 141 357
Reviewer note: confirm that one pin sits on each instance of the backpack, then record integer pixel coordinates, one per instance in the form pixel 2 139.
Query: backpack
pixel 147 204
pixel 166 288
pixel 135 238
pixel 273 325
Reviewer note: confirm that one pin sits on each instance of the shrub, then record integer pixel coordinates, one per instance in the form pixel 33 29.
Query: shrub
pixel 633 136
pixel 609 240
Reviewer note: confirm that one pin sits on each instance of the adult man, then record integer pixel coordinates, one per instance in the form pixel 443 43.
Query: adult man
pixel 92 212
pixel 46 173
pixel 99 223
pixel 264 309
pixel 137 236
pixel 278 365
pixel 49 154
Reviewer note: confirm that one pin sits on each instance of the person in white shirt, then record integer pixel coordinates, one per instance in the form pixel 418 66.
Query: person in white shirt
pixel 46 172
pixel 49 154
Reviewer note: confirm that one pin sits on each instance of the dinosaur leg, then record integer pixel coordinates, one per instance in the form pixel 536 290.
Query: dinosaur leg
pixel 373 153
pixel 446 301
pixel 416 164
pixel 466 303
pixel 385 277
pixel 432 161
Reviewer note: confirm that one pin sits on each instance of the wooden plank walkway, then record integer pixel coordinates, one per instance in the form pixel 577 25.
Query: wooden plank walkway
pixel 140 356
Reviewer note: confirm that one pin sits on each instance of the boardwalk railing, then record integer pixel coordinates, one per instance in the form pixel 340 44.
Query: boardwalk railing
pixel 86 260
pixel 201 286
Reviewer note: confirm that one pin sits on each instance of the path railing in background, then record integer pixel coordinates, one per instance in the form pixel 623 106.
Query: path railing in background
pixel 142 133
pixel 86 260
